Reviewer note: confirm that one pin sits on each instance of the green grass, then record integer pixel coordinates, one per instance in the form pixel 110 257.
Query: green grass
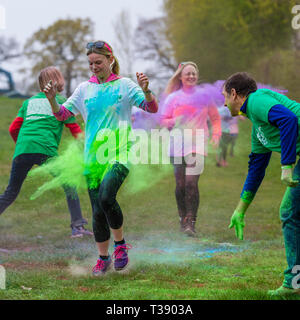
pixel 42 262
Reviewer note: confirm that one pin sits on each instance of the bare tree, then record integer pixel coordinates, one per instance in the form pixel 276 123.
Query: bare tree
pixel 124 42
pixel 153 47
pixel 9 49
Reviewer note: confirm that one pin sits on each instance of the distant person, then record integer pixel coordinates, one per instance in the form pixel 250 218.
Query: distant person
pixel 225 138
pixel 104 101
pixel 37 134
pixel 275 127
pixel 188 107
pixel 229 135
pixel 234 131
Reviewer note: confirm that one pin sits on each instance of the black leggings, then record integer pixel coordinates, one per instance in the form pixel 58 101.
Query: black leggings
pixel 106 210
pixel 186 192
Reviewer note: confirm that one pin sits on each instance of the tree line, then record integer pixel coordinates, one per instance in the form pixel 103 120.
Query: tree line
pixel 221 36
pixel 226 36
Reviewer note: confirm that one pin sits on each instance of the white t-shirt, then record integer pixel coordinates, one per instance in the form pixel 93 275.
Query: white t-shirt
pixel 102 107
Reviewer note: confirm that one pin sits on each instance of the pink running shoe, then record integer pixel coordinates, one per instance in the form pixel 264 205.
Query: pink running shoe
pixel 120 256
pixel 102 266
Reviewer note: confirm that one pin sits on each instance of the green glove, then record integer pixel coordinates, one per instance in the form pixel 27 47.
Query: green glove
pixel 237 221
pixel 287 176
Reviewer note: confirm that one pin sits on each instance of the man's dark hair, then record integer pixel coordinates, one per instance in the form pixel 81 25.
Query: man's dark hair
pixel 241 82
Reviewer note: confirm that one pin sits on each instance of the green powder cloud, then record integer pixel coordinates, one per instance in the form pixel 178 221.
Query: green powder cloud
pixel 69 168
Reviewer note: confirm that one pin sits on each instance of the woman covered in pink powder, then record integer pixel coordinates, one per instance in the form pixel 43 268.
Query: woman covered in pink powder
pixel 186 109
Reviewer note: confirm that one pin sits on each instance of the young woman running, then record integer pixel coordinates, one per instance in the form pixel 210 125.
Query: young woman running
pixel 103 101
pixel 188 106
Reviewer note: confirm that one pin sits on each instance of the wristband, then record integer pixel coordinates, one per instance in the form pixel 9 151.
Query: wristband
pixel 289 166
pixel 148 91
pixel 247 196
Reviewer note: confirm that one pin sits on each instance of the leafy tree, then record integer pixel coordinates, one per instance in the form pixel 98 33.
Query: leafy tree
pixel 223 37
pixel 62 44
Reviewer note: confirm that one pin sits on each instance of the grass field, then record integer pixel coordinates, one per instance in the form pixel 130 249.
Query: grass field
pixel 42 262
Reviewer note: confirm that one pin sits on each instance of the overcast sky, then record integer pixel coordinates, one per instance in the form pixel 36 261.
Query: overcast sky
pixel 23 18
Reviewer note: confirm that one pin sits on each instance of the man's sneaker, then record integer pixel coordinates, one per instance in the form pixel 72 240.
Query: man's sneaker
pixel 120 256
pixel 102 267
pixel 284 292
pixel 78 232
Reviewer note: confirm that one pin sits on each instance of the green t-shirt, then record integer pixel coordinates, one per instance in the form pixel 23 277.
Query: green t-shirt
pixel 41 131
pixel 265 136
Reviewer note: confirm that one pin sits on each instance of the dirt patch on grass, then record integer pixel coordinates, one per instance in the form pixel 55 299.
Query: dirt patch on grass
pixel 198 285
pixel 33 265
pixel 11 243
pixel 20 249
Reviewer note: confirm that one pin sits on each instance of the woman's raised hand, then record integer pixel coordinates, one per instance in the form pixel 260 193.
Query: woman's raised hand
pixel 50 90
pixel 142 80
